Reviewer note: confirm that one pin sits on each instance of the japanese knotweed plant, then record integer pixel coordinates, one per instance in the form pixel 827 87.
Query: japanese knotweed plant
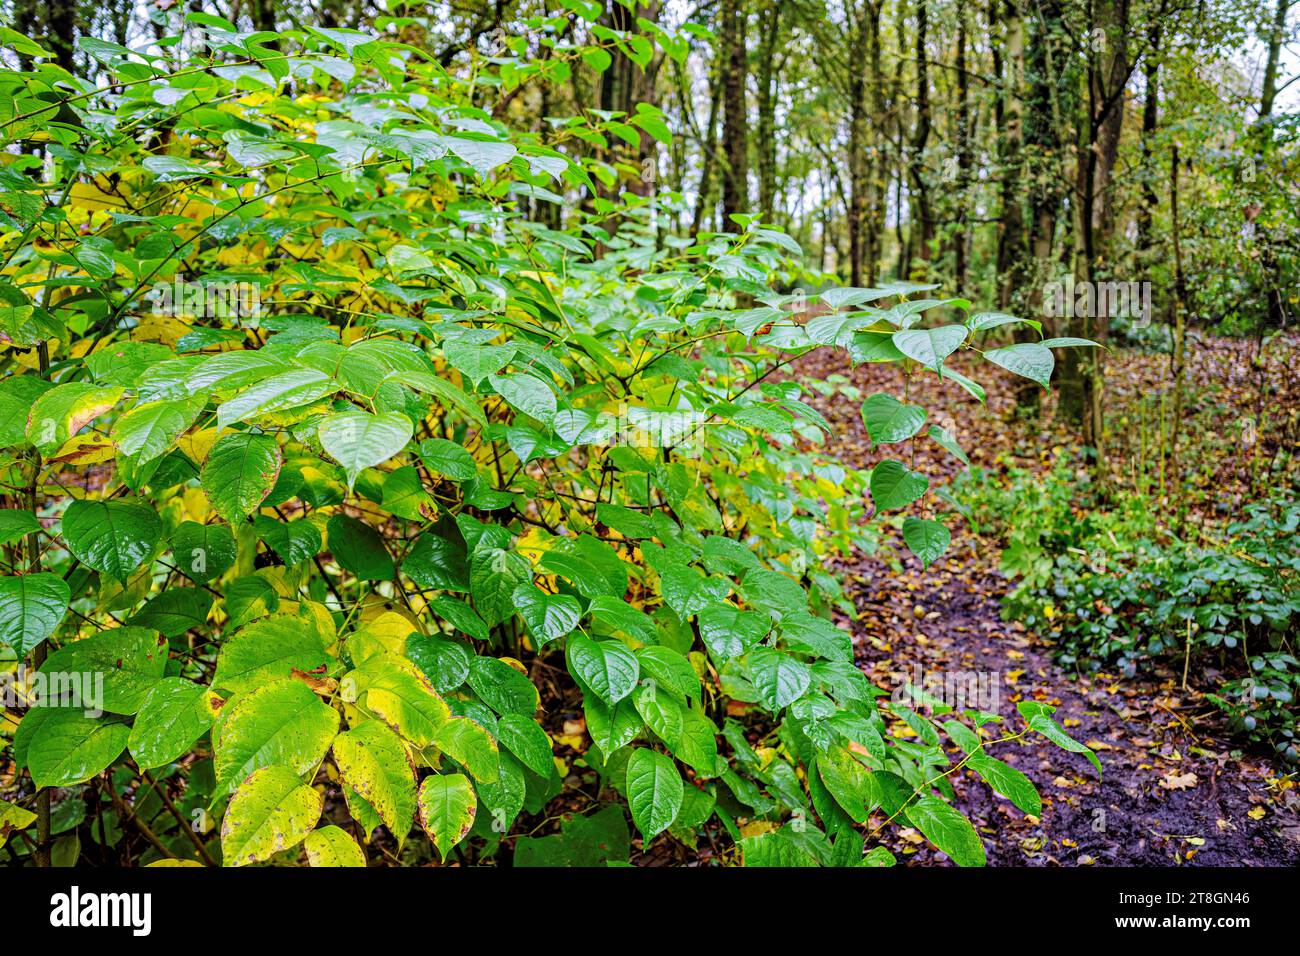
pixel 341 494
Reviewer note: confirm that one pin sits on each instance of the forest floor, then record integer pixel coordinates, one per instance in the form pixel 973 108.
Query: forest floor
pixel 1177 788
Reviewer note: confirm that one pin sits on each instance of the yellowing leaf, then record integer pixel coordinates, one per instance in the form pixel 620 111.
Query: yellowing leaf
pixel 1178 781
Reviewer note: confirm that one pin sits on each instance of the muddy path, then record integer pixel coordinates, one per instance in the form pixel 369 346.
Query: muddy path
pixel 1176 788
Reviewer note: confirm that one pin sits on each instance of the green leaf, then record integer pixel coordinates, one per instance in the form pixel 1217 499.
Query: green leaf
pixel 894 485
pixel 599 839
pixel 293 541
pixel 597 58
pixel 470 745
pixel 175 713
pixel 16 524
pixel 607 669
pixel 947 829
pixel 175 611
pixel 1009 782
pixel 593 567
pixel 114 536
pixel 358 440
pixel 128 660
pixel 267 650
pixel 495 575
pixel 446 392
pixel 525 738
pixel 278 723
pixel 776 848
pixel 729 632
pixel 504 799
pixel 621 616
pixel 527 394
pixel 1065 343
pixel 373 762
pixel 461 616
pixel 332 846
pixel 68 747
pixel 272 810
pixel 405 496
pixel 877 856
pixel 447 809
pixel 849 782
pixel 981 321
pixel 359 548
pixel 945 440
pixel 661 711
pixel 654 791
pixel 148 431
pixel 448 458
pixel 438 562
pixel 203 552
pixel 393 689
pixel 444 662
pixel 548 616
pixel 31 607
pixel 172 168
pixel 970 385
pixel 275 394
pixel 1053 732
pixel 930 346
pixel 231 370
pixel 780 678
pixel 670 670
pixel 889 420
pixel 1032 360
pixel 18 395
pixel 483 155
pixel 962 736
pixel 775 592
pixel 926 539
pixel 12 818
pixel 502 687
pixel 64 410
pixel 240 472
pixel 697 747
pixel 611 728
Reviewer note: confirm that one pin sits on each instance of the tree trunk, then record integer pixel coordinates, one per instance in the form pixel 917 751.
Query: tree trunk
pixel 623 85
pixel 61 31
pixel 870 223
pixel 860 50
pixel 1009 67
pixel 1275 37
pixel 263 14
pixel 1277 312
pixel 961 240
pixel 922 221
pixel 1179 360
pixel 735 131
pixel 771 27
pixel 1149 201
pixel 1108 71
pixel 709 145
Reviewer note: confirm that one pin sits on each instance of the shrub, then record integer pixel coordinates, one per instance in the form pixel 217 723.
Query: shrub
pixel 1107 589
pixel 393 503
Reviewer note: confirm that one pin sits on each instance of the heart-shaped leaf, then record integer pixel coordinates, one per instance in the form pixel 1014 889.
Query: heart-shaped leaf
pixel 894 485
pixel 548 616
